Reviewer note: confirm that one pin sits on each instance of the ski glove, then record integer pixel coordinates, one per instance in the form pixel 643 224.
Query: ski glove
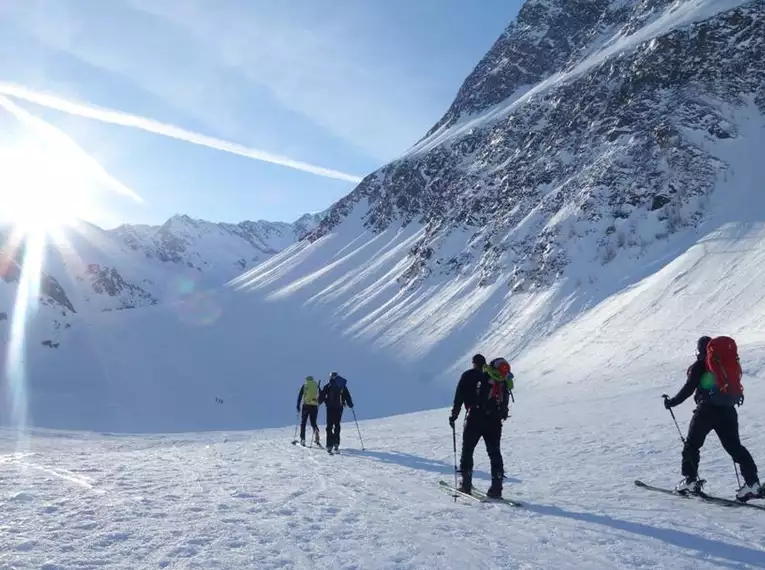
pixel 452 419
pixel 668 402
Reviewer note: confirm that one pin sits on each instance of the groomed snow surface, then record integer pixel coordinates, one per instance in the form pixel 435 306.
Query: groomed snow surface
pixel 253 500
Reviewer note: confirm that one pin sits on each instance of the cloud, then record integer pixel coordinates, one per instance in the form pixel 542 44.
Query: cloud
pixel 150 125
pixel 255 72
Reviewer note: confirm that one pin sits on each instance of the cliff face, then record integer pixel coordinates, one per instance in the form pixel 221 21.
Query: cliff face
pixel 579 135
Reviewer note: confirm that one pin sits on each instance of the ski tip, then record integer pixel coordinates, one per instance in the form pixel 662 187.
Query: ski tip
pixel 639 483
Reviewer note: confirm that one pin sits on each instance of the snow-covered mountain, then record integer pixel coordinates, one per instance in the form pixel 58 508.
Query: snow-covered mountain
pixel 597 175
pixel 202 245
pixel 588 207
pixel 86 269
pixel 583 135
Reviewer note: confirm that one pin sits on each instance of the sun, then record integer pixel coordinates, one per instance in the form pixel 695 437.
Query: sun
pixel 42 190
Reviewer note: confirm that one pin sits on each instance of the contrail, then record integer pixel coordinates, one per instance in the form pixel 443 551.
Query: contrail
pixel 150 125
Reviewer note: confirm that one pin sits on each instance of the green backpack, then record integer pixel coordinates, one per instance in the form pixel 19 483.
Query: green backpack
pixel 310 392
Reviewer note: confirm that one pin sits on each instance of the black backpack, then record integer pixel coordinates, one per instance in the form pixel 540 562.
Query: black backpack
pixel 335 389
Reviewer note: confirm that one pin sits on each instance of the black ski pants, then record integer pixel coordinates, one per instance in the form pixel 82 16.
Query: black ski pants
pixel 490 429
pixel 724 421
pixel 334 417
pixel 312 412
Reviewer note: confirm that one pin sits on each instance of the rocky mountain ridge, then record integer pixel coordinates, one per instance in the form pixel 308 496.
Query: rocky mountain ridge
pixel 583 133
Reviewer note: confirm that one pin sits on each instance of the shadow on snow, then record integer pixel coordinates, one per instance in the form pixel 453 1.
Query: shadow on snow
pixel 416 462
pixel 709 548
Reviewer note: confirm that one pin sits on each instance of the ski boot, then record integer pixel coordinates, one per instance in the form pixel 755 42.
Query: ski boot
pixel 302 442
pixel 495 491
pixel 750 491
pixel 690 485
pixel 316 439
pixel 466 483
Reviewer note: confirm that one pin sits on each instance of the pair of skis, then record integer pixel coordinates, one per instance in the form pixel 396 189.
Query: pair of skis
pixel 314 445
pixel 476 495
pixel 330 450
pixel 701 496
pixel 480 496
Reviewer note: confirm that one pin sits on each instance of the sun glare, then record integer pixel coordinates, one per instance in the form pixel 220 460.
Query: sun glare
pixel 41 190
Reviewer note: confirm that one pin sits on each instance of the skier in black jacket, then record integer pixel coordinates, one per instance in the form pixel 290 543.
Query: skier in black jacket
pixel 335 395
pixel 484 416
pixel 708 416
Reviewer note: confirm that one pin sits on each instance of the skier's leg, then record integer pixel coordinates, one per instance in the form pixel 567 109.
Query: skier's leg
pixel 329 428
pixel 726 427
pixel 470 438
pixel 337 428
pixel 313 414
pixel 699 428
pixel 492 435
pixel 333 424
pixel 303 419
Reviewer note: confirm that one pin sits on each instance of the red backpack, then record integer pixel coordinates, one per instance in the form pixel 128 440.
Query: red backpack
pixel 722 361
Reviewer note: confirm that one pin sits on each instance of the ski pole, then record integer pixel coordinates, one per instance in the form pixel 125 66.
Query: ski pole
pixel 297 423
pixel 675 419
pixel 357 429
pixel 665 396
pixel 735 468
pixel 454 442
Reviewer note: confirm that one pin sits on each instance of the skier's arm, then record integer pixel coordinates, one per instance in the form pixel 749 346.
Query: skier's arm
pixel 459 398
pixel 347 396
pixel 300 397
pixel 694 376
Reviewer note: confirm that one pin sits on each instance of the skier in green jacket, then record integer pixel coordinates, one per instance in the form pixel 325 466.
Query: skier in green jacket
pixel 309 395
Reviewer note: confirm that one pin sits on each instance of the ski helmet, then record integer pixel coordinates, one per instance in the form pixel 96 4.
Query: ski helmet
pixel 701 344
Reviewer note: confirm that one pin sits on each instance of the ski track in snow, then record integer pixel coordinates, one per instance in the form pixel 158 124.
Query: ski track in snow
pixel 252 500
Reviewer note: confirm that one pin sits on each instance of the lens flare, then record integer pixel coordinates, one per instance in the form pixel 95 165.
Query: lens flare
pixel 200 309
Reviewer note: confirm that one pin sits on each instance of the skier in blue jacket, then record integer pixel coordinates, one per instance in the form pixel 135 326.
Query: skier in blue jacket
pixel 335 396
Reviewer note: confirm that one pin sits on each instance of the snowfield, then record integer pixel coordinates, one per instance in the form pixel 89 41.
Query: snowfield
pixel 252 500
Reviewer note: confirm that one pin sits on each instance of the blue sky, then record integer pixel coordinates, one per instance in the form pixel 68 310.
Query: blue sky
pixel 345 85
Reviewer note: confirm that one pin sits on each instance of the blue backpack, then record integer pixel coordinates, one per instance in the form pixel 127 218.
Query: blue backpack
pixel 335 391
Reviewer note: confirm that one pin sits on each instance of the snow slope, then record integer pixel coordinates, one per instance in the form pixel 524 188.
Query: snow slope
pixel 345 301
pixel 335 304
pixel 252 500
